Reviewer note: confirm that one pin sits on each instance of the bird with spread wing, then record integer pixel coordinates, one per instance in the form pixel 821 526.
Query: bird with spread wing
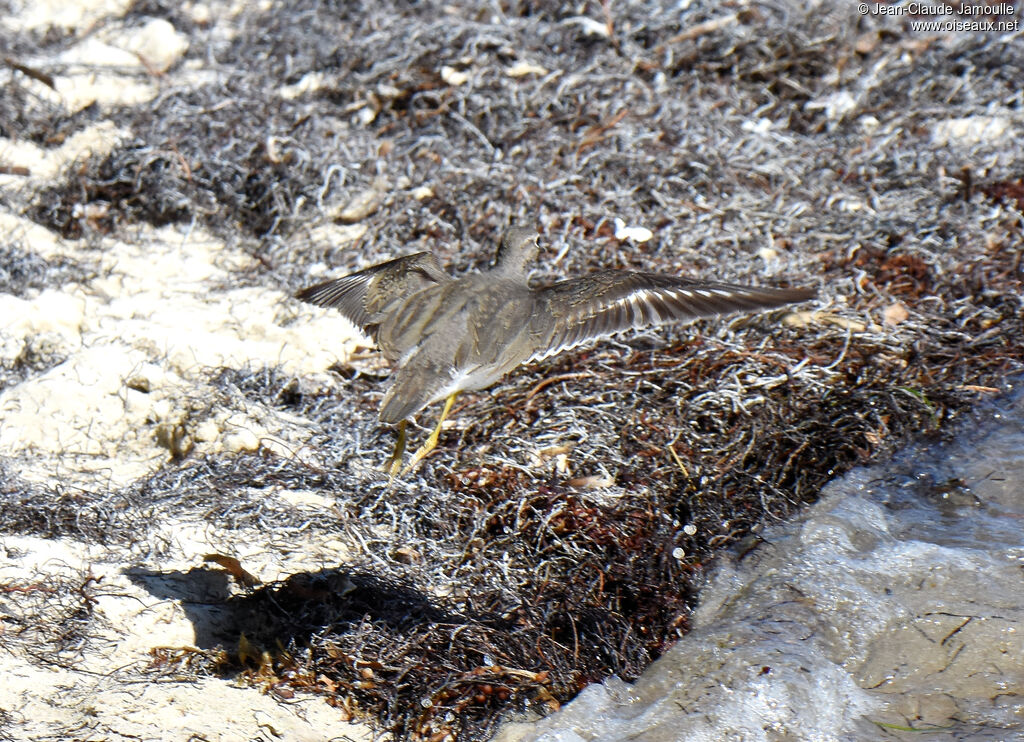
pixel 445 335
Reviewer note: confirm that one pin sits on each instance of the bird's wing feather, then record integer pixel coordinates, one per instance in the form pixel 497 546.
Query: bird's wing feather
pixel 416 384
pixel 362 296
pixel 607 302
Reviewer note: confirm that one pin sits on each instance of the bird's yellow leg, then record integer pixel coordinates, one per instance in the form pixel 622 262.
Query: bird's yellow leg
pixel 395 462
pixel 431 442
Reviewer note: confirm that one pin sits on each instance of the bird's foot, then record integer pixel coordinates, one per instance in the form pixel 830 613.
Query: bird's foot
pixel 395 462
pixel 431 442
pixel 422 452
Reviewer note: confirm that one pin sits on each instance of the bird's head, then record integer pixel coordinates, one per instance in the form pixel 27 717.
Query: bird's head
pixel 518 248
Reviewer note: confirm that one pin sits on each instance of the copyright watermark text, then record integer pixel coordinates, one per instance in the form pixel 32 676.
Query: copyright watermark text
pixel 969 17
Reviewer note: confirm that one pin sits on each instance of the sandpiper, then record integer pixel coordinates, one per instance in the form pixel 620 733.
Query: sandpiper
pixel 447 334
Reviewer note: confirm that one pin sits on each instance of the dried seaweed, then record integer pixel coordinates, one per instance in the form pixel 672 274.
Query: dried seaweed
pixel 560 531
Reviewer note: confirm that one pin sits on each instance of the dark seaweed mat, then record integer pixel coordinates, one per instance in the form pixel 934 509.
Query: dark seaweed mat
pixel 501 584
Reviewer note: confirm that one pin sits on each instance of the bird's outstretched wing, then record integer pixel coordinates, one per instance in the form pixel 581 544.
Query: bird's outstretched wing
pixel 580 309
pixel 362 296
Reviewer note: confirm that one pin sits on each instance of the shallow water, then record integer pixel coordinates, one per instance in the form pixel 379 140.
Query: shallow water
pixel 892 609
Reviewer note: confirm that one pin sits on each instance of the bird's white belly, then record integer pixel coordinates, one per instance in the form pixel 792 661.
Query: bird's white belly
pixel 471 380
